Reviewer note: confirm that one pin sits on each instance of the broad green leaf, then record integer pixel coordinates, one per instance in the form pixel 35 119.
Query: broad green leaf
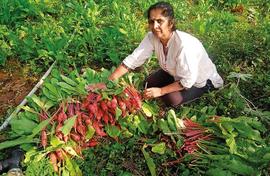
pixel 22 125
pixel 41 126
pixel 68 80
pixel 185 111
pixel 149 161
pixel 163 125
pixel 119 90
pixel 72 167
pixel 38 101
pixel 179 124
pixel 68 125
pixel 246 131
pixel 48 104
pixel 90 75
pixel 48 94
pixel 90 132
pixel 55 142
pixel 159 148
pixel 27 108
pixel 18 141
pixel 118 113
pixel 228 127
pixel 171 120
pixel 66 86
pixel 112 131
pixel 126 133
pixel 238 167
pixel 70 150
pixel 52 88
pixel 133 122
pixel 231 144
pixel 143 126
pixel 147 110
pixel 27 147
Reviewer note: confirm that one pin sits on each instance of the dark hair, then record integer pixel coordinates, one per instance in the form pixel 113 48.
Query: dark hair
pixel 167 11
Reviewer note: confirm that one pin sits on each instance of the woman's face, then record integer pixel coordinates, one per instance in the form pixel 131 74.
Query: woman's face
pixel 160 25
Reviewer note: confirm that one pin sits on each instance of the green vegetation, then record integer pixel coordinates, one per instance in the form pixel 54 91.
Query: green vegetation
pixel 99 34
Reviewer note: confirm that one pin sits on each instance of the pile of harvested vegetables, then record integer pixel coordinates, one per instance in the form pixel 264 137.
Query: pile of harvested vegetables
pixel 64 119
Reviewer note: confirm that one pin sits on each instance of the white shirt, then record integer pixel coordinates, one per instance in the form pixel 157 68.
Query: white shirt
pixel 186 60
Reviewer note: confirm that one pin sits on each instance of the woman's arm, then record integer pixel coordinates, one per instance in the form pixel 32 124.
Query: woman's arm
pixel 154 92
pixel 118 72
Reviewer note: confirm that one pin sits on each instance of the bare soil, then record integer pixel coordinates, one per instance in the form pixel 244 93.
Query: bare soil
pixel 15 84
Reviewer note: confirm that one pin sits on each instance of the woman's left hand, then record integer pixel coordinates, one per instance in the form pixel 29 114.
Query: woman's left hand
pixel 152 92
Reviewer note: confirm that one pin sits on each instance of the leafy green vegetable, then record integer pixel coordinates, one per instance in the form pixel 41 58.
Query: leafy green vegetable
pixel 149 161
pixel 159 148
pixel 68 124
pixel 112 131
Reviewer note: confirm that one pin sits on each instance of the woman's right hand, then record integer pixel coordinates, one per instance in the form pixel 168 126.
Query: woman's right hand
pixel 95 86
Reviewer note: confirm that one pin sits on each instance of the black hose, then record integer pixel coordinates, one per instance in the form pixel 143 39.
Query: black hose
pixel 16 156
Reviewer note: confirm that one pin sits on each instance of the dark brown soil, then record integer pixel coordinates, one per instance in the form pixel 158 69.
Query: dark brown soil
pixel 14 86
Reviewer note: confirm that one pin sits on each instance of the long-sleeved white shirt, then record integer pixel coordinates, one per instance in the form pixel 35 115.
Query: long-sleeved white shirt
pixel 186 59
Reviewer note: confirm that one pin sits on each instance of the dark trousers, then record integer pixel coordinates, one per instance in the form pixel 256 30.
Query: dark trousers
pixel 160 78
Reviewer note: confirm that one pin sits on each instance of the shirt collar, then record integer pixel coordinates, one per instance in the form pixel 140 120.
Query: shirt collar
pixel 171 39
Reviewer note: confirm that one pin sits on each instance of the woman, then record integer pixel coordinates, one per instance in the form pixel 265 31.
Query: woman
pixel 186 70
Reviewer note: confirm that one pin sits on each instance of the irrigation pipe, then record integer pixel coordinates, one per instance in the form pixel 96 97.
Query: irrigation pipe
pixel 18 108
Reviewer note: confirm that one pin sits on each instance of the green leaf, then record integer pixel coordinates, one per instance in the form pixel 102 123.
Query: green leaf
pixel 112 131
pixel 27 108
pixel 246 131
pixel 48 94
pixel 52 88
pixel 238 167
pixel 90 132
pixel 163 125
pixel 68 125
pixel 48 104
pixel 90 75
pixel 149 161
pixel 55 142
pixel 118 91
pixel 18 141
pixel 171 120
pixel 66 86
pixel 118 113
pixel 143 125
pixel 70 150
pixel 69 81
pixel 159 148
pixel 22 125
pixel 72 167
pixel 147 110
pixel 38 101
pixel 232 145
pixel 41 126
